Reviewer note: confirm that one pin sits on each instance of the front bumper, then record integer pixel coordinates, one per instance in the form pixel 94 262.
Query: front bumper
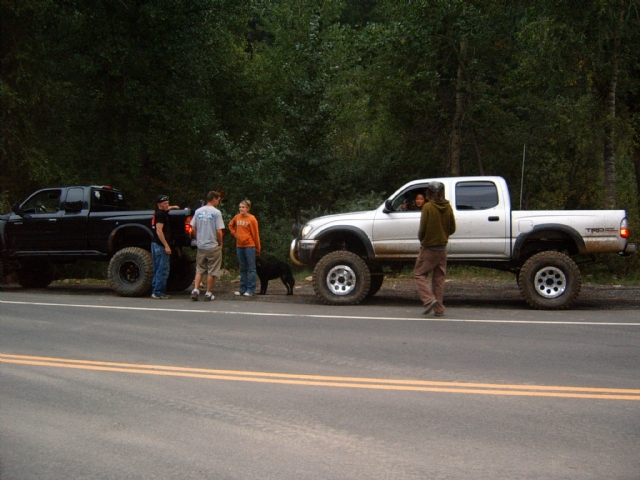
pixel 301 251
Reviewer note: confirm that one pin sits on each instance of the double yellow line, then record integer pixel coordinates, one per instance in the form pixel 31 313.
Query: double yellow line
pixel 328 381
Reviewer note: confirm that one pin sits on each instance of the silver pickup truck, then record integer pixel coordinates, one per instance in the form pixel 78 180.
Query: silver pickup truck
pixel 350 251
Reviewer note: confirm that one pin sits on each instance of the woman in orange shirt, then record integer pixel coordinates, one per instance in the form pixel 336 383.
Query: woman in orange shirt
pixel 244 227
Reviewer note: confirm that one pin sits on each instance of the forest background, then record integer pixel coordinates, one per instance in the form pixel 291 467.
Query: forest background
pixel 309 107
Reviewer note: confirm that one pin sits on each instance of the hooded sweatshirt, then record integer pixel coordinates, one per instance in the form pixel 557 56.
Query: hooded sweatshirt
pixel 437 223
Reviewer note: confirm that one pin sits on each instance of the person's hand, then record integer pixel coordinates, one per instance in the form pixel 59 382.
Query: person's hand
pixel 167 250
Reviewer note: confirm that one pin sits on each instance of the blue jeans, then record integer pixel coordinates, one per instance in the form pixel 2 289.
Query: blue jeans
pixel 161 269
pixel 247 261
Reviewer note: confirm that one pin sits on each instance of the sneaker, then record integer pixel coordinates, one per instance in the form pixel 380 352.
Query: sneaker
pixel 195 294
pixel 430 307
pixel 237 294
pixel 438 314
pixel 160 297
pixel 208 297
pixel 247 294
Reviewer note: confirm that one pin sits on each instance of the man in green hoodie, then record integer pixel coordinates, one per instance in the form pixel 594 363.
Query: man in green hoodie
pixel 437 223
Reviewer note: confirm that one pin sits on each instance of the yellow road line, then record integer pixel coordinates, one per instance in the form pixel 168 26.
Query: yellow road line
pixel 331 381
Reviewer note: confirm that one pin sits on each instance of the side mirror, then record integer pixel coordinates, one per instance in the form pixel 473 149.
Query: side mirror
pixel 388 206
pixel 15 208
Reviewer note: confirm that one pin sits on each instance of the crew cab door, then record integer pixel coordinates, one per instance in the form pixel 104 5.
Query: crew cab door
pixel 73 220
pixel 482 216
pixel 36 227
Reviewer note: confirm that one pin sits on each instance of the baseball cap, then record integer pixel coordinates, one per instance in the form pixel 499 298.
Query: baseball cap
pixel 435 186
pixel 162 198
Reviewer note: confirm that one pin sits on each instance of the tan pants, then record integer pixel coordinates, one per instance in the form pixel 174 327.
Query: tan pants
pixel 434 262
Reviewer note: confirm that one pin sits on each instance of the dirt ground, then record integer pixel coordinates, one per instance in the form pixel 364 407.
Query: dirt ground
pixel 467 293
pixel 478 293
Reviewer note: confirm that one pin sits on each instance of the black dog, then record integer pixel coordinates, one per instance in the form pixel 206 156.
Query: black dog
pixel 272 270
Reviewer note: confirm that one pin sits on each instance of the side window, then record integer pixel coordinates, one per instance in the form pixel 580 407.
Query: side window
pixel 47 201
pixel 476 195
pixel 107 201
pixel 406 201
pixel 75 199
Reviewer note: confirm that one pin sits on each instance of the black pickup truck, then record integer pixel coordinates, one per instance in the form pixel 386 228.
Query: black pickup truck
pixel 64 224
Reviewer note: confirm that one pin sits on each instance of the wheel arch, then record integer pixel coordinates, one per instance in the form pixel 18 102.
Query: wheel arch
pixel 549 236
pixel 343 237
pixel 130 235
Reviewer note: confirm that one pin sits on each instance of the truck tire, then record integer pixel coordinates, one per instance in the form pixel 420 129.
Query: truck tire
pixel 31 275
pixel 550 281
pixel 182 272
pixel 131 272
pixel 341 278
pixel 377 279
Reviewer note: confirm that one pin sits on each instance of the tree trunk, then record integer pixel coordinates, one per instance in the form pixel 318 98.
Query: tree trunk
pixel 609 126
pixel 477 149
pixel 636 165
pixel 456 132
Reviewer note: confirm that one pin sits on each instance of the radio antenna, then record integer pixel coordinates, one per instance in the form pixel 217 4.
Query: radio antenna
pixel 524 154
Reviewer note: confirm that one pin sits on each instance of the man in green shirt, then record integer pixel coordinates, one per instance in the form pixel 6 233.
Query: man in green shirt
pixel 437 223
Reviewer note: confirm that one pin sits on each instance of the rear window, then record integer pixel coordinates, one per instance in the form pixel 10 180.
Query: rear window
pixel 476 195
pixel 107 201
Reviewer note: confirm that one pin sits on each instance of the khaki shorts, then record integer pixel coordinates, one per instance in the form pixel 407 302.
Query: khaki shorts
pixel 209 262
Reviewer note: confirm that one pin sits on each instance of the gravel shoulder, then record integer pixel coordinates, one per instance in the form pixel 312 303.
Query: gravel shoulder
pixel 476 293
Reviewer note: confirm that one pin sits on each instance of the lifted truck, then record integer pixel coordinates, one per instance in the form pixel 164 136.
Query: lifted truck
pixel 64 224
pixel 350 250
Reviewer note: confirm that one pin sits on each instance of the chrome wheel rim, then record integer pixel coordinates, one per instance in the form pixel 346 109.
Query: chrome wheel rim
pixel 550 282
pixel 341 280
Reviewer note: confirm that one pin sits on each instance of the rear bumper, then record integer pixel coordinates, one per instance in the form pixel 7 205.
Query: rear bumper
pixel 630 249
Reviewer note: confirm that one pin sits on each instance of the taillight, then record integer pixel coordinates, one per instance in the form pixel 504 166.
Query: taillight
pixel 624 228
pixel 187 226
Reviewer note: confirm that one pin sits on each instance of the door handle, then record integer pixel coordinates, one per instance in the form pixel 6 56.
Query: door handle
pixel 53 220
pixel 494 219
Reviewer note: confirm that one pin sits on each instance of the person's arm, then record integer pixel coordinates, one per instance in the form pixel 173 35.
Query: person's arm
pixel 232 226
pixel 256 235
pixel 423 224
pixel 159 231
pixel 220 235
pixel 452 228
pixel 174 207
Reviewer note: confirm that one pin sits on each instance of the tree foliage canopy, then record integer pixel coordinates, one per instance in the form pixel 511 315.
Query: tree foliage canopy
pixel 306 107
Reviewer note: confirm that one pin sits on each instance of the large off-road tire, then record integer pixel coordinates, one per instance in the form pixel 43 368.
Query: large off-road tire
pixel 377 279
pixel 131 272
pixel 341 278
pixel 35 275
pixel 182 272
pixel 550 281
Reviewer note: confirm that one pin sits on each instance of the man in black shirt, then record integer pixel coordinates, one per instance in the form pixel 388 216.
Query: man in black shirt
pixel 161 247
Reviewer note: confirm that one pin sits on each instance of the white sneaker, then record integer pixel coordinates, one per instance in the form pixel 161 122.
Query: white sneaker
pixel 247 294
pixel 195 293
pixel 237 294
pixel 208 297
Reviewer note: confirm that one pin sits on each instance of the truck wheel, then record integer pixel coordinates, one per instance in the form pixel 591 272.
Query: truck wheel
pixel 31 275
pixel 550 281
pixel 182 272
pixel 377 279
pixel 131 272
pixel 341 278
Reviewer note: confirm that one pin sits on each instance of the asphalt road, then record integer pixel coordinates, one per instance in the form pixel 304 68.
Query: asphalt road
pixel 96 386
